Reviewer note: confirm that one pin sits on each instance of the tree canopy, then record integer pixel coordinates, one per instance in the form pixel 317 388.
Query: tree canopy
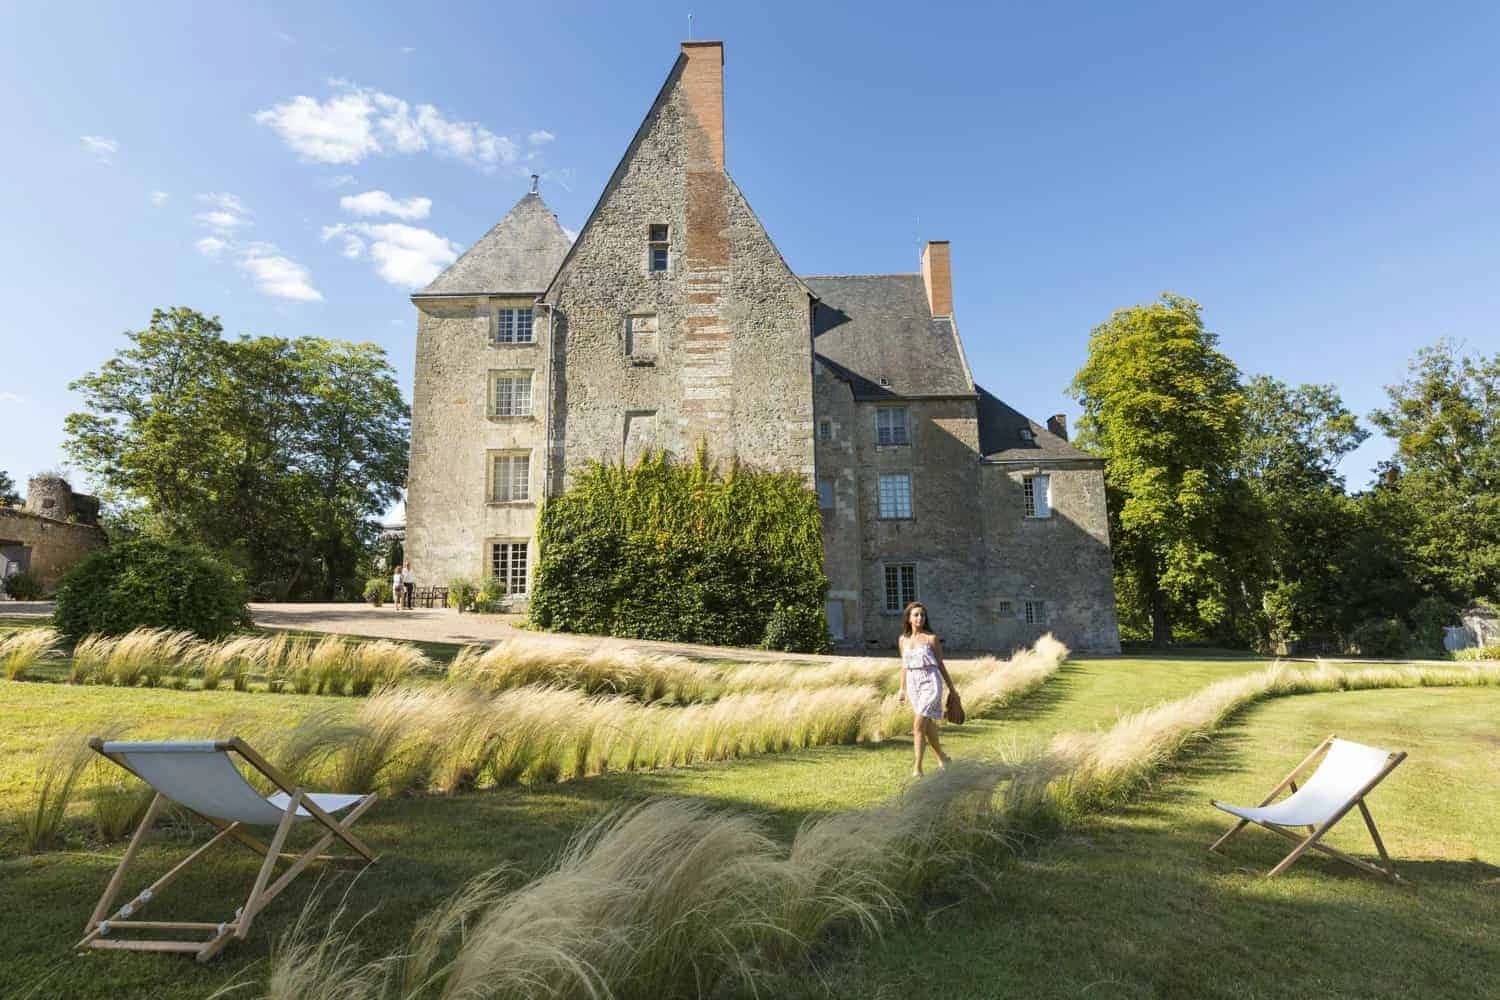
pixel 277 453
pixel 8 495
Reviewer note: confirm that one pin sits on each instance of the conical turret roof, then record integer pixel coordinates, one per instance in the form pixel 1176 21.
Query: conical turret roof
pixel 520 254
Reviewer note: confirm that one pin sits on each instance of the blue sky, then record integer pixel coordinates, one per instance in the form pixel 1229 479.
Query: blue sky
pixel 1321 177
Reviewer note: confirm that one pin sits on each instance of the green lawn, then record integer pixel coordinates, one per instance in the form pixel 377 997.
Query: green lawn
pixel 1133 907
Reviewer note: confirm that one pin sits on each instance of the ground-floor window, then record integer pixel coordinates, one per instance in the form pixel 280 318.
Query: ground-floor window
pixel 508 566
pixel 1036 612
pixel 834 612
pixel 900 585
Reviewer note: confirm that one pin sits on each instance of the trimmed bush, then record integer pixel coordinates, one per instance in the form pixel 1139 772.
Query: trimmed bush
pixel 23 586
pixel 147 583
pixel 1384 637
pixel 681 551
pixel 378 590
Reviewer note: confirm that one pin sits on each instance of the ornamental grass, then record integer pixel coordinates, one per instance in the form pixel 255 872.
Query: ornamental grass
pixel 21 649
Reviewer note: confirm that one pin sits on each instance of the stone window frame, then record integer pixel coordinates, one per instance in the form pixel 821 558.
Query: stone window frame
pixel 492 395
pixel 662 245
pixel 1036 611
pixel 638 357
pixel 911 495
pixel 504 570
pixel 899 437
pixel 516 310
pixel 492 459
pixel 832 496
pixel 915 593
pixel 1029 496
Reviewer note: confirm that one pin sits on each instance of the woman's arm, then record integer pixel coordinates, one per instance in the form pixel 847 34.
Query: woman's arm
pixel 937 654
pixel 901 659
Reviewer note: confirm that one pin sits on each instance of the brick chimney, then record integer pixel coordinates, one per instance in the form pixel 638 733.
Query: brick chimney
pixel 937 275
pixel 703 86
pixel 1058 424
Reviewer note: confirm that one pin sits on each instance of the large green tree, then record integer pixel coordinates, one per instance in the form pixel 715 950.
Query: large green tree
pixel 278 453
pixel 1166 410
pixel 1445 421
pixel 8 495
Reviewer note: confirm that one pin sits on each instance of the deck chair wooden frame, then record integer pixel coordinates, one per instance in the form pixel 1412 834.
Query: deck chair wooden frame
pixel 300 806
pixel 1311 841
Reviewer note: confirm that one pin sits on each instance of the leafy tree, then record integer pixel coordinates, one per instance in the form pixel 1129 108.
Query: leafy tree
pixel 1445 420
pixel 1166 410
pixel 8 495
pixel 277 453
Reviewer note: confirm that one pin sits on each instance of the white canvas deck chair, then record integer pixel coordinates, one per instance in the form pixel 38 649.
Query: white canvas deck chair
pixel 1348 773
pixel 201 777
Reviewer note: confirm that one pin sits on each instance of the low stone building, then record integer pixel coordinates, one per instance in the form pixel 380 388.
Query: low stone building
pixel 672 318
pixel 55 529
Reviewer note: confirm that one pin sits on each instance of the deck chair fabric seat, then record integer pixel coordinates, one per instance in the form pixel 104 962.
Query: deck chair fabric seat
pixel 202 777
pixel 1347 773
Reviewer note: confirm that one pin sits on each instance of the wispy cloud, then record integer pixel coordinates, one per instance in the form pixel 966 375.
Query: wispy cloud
pixel 379 203
pixel 158 198
pixel 102 148
pixel 406 256
pixel 13 397
pixel 226 213
pixel 276 274
pixel 540 137
pixel 357 122
pixel 211 246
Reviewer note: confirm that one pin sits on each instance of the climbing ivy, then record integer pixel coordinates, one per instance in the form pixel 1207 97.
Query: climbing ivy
pixel 686 552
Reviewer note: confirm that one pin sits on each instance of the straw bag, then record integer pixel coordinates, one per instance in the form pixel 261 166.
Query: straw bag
pixel 954 711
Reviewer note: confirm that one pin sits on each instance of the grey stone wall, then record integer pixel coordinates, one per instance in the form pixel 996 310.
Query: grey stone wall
pixel 449 517
pixel 734 363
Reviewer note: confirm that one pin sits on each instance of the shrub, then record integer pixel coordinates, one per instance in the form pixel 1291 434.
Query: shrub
pixel 378 590
pixel 461 592
pixel 1385 637
pixel 24 586
pixel 797 629
pixel 487 599
pixel 682 551
pixel 148 583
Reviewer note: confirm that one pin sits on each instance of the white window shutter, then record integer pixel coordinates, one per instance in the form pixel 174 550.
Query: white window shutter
pixel 1043 498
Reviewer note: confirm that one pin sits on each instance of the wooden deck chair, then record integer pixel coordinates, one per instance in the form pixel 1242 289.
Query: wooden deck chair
pixel 1348 773
pixel 201 777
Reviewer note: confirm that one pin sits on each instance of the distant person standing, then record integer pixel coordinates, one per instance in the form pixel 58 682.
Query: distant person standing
pixel 406 584
pixel 396 587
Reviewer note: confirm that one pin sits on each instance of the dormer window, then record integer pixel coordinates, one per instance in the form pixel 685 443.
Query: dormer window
pixel 658 242
pixel 1027 434
pixel 885 383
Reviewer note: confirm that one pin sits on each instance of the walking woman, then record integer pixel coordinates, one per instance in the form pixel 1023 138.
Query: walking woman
pixel 922 677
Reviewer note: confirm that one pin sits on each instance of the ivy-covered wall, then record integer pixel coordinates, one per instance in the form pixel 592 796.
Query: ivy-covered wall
pixel 684 551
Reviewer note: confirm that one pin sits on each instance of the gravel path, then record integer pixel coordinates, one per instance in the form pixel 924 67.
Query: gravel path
pixel 447 625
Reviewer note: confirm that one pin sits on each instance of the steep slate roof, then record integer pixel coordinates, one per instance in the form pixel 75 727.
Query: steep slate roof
pixel 870 325
pixel 1000 437
pixel 520 254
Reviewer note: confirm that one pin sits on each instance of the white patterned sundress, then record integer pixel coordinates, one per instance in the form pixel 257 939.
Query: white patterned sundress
pixel 924 682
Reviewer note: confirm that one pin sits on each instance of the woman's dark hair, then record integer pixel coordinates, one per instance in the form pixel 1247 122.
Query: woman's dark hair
pixel 906 619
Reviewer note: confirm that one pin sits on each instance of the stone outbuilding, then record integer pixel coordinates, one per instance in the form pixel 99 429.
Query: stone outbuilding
pixel 673 318
pixel 55 529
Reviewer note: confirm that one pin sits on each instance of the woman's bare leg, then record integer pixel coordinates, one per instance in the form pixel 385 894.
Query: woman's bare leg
pixel 918 745
pixel 932 737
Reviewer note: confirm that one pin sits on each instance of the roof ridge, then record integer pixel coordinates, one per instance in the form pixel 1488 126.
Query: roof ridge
pixel 878 274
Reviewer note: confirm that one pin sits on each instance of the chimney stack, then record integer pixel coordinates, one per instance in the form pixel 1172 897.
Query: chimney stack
pixel 1058 424
pixel 703 86
pixel 937 275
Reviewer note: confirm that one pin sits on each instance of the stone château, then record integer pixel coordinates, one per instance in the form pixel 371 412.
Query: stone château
pixel 671 318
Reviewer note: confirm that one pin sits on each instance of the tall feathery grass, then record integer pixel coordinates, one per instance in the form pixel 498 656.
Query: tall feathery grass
pixel 333 665
pixel 21 650
pixel 53 784
pixel 672 898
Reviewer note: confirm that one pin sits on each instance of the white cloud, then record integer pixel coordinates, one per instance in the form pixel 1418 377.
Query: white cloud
pixel 406 256
pixel 211 246
pixel 159 198
pixel 360 122
pixel 380 203
pixel 571 234
pixel 540 137
pixel 12 397
pixel 227 213
pixel 354 247
pixel 275 274
pixel 101 147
